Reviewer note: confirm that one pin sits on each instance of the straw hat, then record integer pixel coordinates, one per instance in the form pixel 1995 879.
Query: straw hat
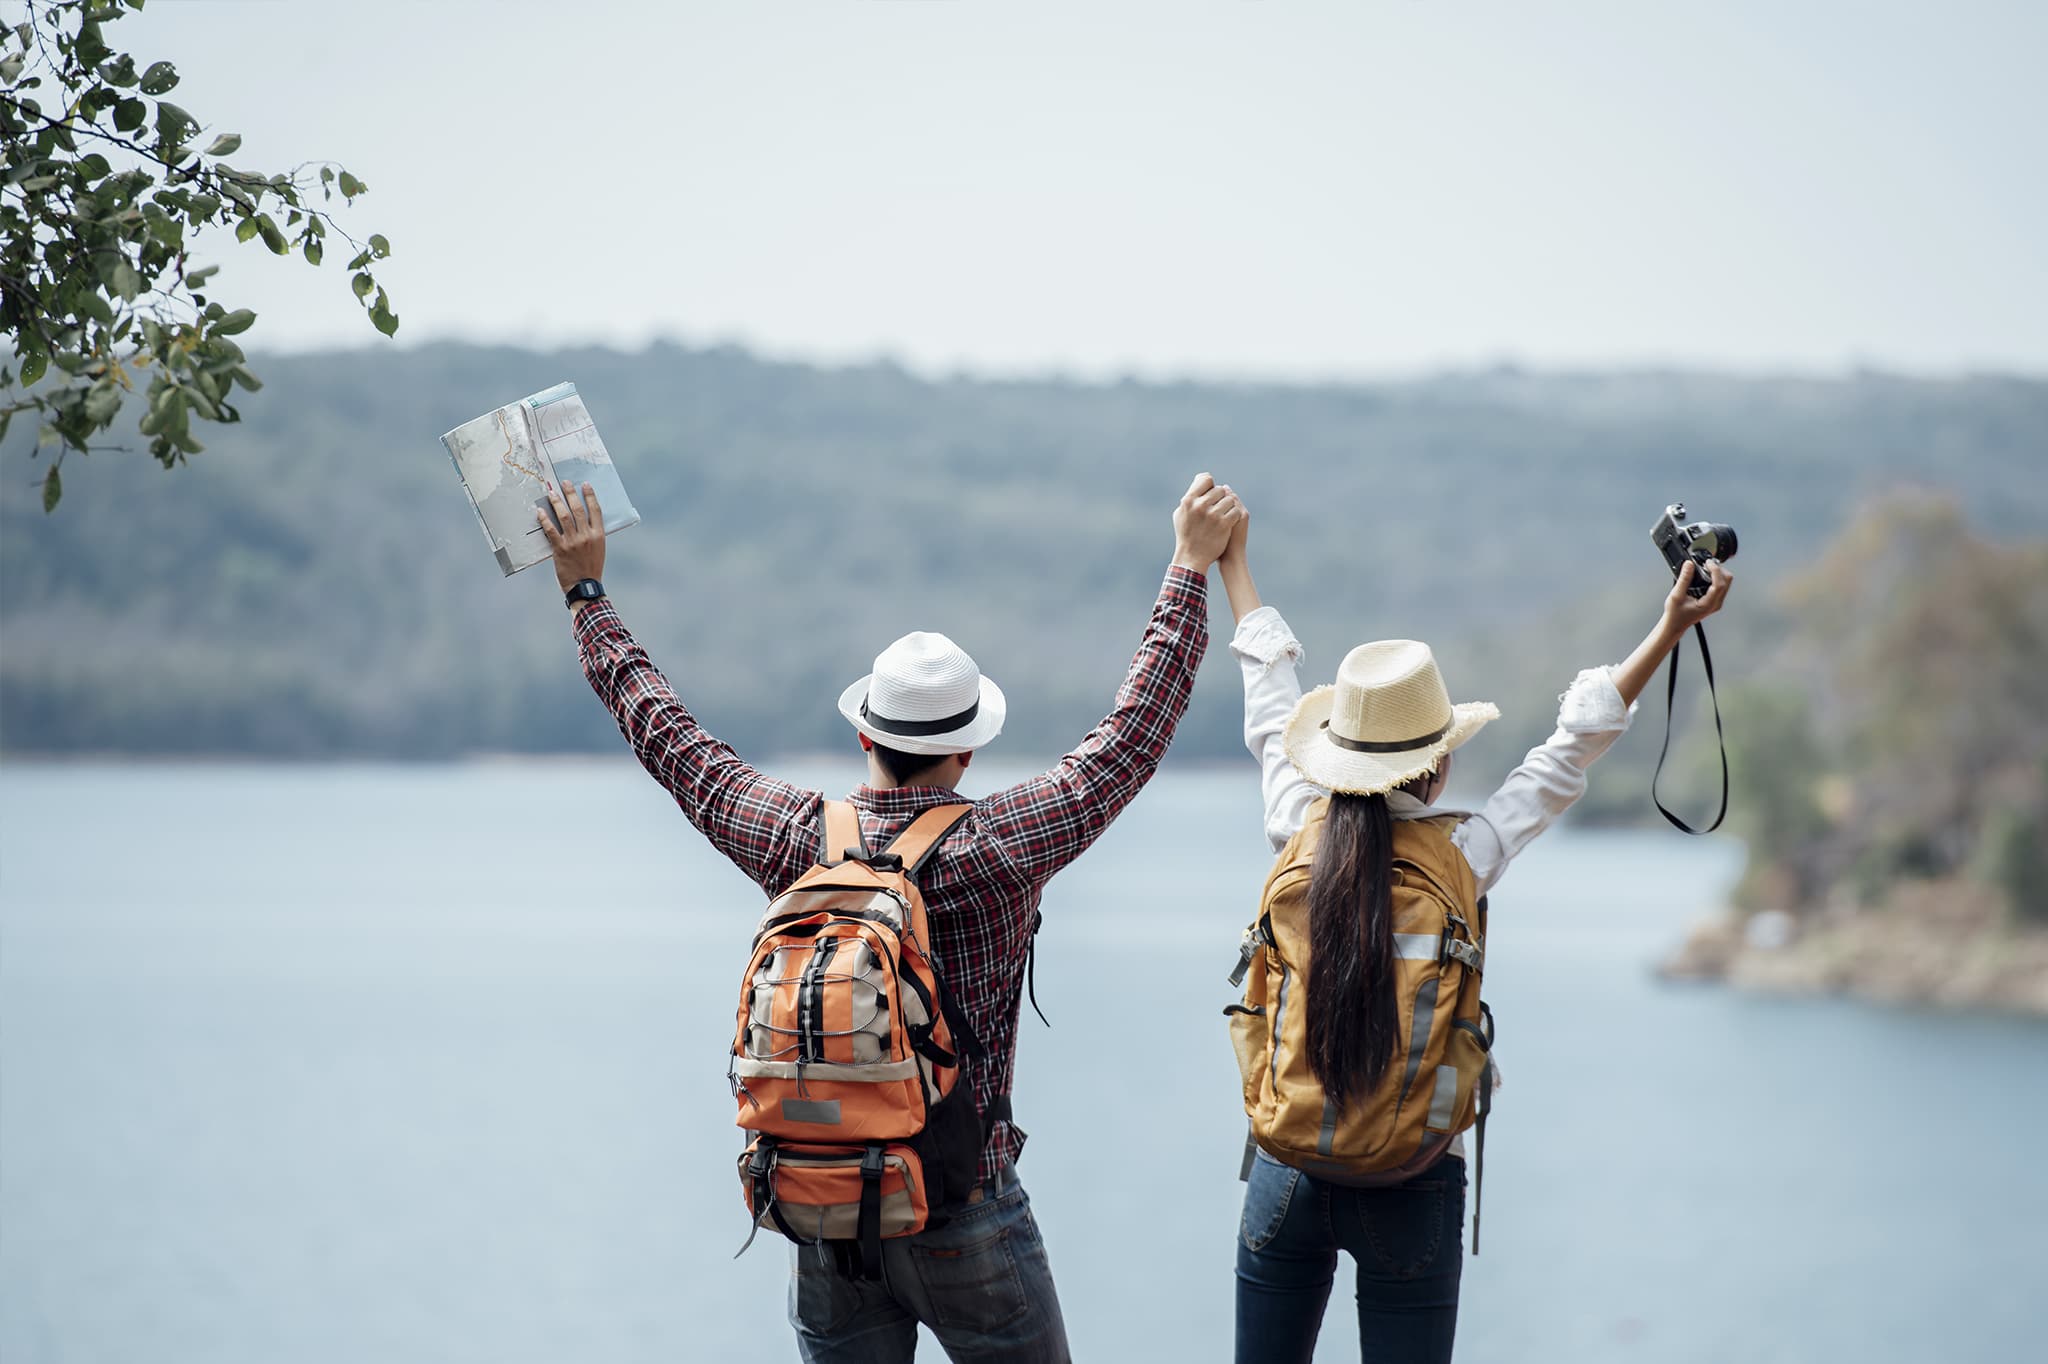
pixel 1387 720
pixel 925 696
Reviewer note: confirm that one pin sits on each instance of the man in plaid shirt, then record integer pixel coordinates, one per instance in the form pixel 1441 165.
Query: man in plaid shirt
pixel 982 1282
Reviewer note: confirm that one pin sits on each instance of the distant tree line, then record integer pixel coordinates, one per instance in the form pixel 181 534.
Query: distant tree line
pixel 315 584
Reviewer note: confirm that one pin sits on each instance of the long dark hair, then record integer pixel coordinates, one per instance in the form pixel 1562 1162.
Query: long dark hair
pixel 1353 1025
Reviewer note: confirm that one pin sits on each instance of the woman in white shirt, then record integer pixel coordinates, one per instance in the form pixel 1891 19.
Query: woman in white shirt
pixel 1406 1237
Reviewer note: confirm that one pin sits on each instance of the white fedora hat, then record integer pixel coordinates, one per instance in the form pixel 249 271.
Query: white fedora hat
pixel 925 696
pixel 1387 720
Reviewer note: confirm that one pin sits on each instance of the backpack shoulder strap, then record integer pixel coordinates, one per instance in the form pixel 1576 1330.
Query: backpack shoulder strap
pixel 841 833
pixel 916 840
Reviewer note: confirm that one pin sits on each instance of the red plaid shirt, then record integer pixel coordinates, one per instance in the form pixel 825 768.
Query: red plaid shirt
pixel 983 884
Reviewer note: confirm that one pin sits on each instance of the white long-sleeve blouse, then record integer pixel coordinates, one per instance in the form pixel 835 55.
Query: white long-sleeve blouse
pixel 1551 778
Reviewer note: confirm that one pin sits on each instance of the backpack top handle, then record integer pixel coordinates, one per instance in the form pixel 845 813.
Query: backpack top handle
pixel 917 840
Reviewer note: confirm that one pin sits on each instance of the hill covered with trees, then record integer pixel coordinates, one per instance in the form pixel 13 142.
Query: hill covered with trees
pixel 314 584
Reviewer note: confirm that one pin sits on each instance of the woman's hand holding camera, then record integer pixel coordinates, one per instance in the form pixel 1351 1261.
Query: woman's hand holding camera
pixel 1682 610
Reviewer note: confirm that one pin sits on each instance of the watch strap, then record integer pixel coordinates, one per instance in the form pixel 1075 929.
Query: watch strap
pixel 586 589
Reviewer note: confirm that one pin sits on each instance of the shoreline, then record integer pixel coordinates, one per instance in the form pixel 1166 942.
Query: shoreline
pixel 1935 945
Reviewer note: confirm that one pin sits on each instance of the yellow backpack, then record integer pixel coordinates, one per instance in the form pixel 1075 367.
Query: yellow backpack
pixel 1440 1083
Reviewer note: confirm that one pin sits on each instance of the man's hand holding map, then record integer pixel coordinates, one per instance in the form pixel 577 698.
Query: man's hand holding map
pixel 509 460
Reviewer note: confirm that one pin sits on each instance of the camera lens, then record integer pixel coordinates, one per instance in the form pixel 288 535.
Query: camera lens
pixel 1724 541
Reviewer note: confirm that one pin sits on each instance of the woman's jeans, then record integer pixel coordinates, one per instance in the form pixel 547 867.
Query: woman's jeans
pixel 981 1283
pixel 1408 1240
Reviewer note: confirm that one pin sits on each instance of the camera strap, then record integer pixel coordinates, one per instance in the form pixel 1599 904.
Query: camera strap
pixel 1670 695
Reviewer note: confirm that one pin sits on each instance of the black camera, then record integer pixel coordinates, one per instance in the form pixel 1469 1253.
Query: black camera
pixel 1679 540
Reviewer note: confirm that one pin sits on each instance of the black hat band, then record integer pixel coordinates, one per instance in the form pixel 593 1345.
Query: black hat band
pixel 916 728
pixel 1361 746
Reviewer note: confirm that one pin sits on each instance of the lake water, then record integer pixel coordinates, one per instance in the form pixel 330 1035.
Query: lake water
pixel 427 1064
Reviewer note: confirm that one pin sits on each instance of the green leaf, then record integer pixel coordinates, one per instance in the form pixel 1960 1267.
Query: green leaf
pixel 381 316
pixel 350 186
pixel 236 322
pixel 10 68
pixel 159 79
pixel 273 236
pixel 172 123
pixel 246 229
pixel 120 71
pixel 195 278
pixel 362 258
pixel 379 244
pixel 362 284
pixel 123 280
pixel 53 490
pixel 103 403
pixel 225 144
pixel 32 367
pixel 242 376
pixel 312 250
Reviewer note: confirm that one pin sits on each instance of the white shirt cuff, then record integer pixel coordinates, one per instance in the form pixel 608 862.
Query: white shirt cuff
pixel 1263 638
pixel 1592 705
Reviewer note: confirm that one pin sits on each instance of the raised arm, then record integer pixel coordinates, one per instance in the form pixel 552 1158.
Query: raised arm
pixel 1268 654
pixel 1593 712
pixel 756 821
pixel 1046 822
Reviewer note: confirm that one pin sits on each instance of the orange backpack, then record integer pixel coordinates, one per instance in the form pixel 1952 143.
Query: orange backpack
pixel 847 1059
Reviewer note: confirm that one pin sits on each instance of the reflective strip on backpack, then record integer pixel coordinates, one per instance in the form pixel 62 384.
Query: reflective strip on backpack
pixel 1279 1014
pixel 1418 946
pixel 824 1070
pixel 1444 1101
pixel 1326 1138
pixel 1424 1020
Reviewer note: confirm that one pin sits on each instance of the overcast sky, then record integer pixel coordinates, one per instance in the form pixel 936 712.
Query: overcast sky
pixel 1281 188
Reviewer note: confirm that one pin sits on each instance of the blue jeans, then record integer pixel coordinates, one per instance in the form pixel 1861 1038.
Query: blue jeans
pixel 981 1283
pixel 1408 1240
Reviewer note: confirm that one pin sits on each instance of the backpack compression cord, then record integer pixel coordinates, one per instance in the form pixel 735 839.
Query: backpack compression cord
pixel 1670 693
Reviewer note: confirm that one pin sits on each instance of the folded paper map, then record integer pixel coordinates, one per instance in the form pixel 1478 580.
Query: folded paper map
pixel 510 458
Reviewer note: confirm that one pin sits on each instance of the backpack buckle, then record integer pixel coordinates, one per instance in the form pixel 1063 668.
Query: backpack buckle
pixel 1247 948
pixel 881 861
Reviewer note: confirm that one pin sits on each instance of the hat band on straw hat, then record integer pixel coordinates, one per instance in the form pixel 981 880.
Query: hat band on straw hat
pixel 1401 746
pixel 915 728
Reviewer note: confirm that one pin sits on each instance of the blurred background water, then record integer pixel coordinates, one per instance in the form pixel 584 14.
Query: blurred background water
pixel 427 1063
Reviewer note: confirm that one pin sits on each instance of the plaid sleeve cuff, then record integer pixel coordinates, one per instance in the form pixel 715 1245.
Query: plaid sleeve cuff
pixel 597 622
pixel 1184 586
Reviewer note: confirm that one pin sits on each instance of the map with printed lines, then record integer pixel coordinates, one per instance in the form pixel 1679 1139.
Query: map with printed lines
pixel 508 459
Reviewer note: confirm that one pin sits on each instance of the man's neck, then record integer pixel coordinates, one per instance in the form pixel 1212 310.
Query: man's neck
pixel 880 780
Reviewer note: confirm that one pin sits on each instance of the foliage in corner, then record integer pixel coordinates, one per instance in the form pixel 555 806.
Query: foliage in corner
pixel 105 187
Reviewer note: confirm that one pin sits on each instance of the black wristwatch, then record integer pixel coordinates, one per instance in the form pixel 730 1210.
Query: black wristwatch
pixel 589 589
